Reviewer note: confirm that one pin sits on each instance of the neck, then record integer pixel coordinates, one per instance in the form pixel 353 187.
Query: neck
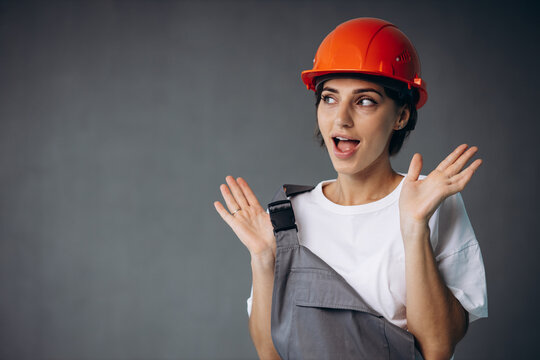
pixel 369 185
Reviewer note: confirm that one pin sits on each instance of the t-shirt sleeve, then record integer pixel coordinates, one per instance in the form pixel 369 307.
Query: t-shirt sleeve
pixel 459 258
pixel 249 301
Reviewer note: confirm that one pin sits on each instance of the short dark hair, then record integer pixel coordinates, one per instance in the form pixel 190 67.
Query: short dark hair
pixel 395 90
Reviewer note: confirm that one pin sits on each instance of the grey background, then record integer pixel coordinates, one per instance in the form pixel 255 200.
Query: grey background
pixel 120 119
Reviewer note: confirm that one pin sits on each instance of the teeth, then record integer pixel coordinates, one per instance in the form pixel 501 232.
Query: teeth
pixel 341 138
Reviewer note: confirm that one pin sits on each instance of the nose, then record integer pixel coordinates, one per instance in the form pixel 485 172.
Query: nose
pixel 343 116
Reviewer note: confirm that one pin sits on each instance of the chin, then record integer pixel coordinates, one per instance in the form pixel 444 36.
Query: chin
pixel 345 169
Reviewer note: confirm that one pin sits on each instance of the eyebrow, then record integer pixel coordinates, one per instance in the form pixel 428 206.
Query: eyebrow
pixel 355 91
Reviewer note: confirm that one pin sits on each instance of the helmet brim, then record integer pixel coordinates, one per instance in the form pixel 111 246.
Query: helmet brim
pixel 309 79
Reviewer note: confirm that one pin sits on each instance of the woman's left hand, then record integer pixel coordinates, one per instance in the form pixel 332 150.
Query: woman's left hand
pixel 420 198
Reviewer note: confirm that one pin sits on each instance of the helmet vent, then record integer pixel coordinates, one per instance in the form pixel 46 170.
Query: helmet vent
pixel 403 57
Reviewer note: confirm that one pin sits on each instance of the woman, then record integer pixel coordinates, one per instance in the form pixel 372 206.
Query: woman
pixel 402 241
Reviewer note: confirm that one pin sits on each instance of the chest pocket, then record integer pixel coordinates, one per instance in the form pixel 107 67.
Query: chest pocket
pixel 328 323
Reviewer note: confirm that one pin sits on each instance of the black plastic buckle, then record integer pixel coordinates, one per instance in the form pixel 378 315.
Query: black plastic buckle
pixel 282 215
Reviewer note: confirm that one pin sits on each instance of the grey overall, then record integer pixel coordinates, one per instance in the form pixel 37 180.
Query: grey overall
pixel 316 314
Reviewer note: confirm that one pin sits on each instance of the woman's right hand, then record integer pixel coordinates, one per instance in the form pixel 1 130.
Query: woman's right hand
pixel 251 223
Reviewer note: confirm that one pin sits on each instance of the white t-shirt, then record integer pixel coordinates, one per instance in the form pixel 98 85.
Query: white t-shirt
pixel 363 244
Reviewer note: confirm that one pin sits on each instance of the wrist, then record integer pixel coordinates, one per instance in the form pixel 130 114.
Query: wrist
pixel 413 227
pixel 263 260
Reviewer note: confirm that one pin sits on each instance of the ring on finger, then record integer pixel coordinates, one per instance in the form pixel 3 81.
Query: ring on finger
pixel 235 211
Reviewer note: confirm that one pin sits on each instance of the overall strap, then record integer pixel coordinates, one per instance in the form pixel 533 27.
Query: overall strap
pixel 282 214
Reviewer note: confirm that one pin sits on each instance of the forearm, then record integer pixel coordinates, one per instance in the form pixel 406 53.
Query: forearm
pixel 434 315
pixel 259 321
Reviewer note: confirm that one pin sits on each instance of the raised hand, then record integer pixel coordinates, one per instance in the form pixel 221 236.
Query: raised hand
pixel 246 217
pixel 420 198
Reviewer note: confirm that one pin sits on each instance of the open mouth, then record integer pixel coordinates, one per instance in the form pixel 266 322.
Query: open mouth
pixel 344 144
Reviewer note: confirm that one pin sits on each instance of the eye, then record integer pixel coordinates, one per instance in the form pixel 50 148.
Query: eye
pixel 366 102
pixel 328 99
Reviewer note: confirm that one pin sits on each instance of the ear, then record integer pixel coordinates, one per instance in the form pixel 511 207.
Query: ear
pixel 403 115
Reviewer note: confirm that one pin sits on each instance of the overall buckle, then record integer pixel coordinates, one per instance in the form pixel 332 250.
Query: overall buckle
pixel 282 215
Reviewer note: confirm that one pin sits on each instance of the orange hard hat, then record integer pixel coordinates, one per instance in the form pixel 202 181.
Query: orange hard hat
pixel 368 46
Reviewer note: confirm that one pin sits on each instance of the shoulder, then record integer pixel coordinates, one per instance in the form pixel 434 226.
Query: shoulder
pixel 311 195
pixel 311 204
pixel 455 231
pixel 452 210
pixel 303 200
